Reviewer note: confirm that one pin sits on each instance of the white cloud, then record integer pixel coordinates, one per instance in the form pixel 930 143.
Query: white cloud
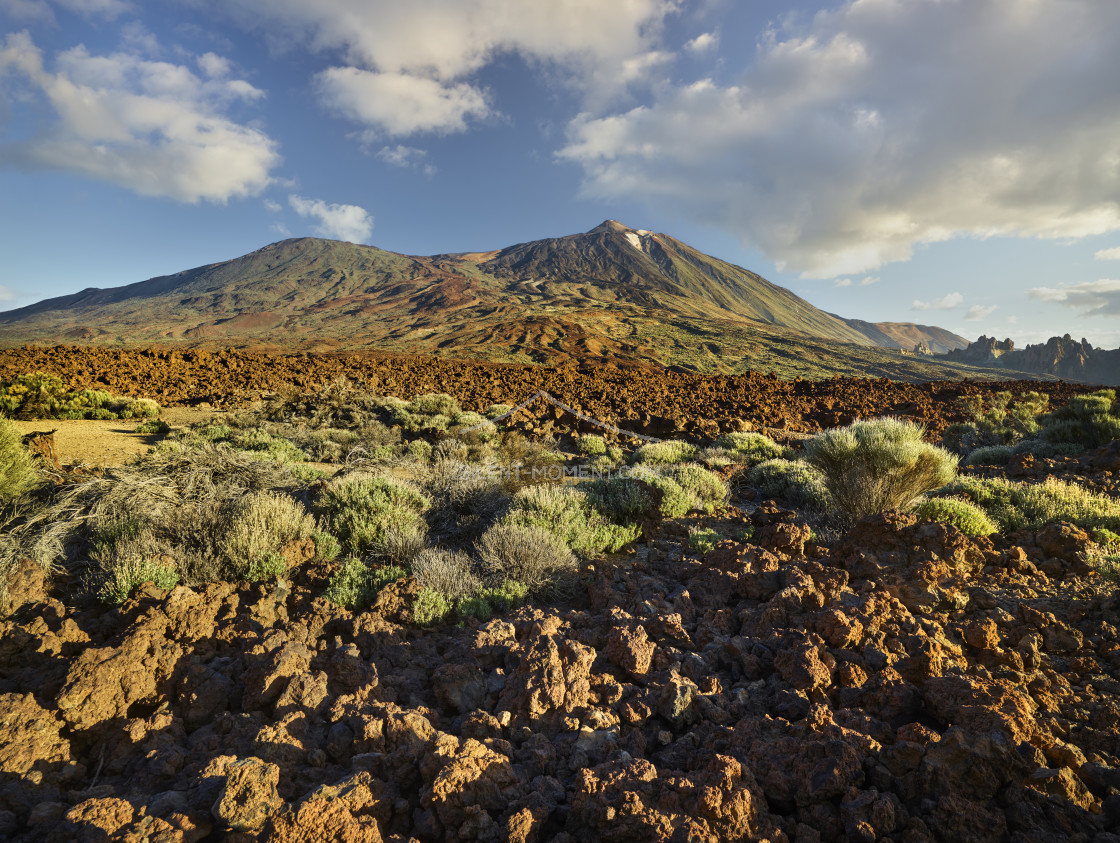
pixel 151 127
pixel 1108 254
pixel 1012 319
pixel 843 282
pixel 844 146
pixel 868 280
pixel 1092 298
pixel 339 222
pixel 947 303
pixel 399 103
pixel 407 65
pixel 976 313
pixel 407 157
pixel 272 206
pixel 6 294
pixel 702 44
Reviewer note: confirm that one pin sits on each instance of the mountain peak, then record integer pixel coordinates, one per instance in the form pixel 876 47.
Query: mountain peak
pixel 611 225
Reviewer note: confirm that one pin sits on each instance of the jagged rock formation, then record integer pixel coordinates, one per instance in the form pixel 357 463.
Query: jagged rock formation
pixel 1063 357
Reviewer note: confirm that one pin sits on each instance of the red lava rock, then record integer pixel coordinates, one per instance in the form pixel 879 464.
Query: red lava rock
pixel 248 798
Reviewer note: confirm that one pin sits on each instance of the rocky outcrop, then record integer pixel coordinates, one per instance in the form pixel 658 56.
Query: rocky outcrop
pixel 1063 357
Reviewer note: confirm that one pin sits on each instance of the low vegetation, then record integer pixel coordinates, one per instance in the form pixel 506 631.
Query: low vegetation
pixel 877 465
pixel 45 396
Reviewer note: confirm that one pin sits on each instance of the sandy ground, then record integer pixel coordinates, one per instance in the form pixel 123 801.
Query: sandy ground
pixel 104 443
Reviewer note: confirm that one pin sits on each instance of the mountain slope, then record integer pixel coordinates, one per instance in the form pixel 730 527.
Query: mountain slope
pixel 611 295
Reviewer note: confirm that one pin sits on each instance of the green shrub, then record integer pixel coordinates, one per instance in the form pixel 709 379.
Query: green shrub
pixel 965 516
pixel 327 547
pixel 990 455
pixel 154 427
pixel 355 585
pixel 506 595
pixel 267 446
pixel 1107 538
pixel 260 526
pixel 35 396
pixel 17 467
pixel 420 449
pixel 676 501
pixel 1090 420
pixel 435 403
pixel 269 566
pixel 530 555
pixel 872 466
pixel 1015 506
pixel 141 408
pixel 495 410
pixel 569 515
pixel 474 607
pixel 708 489
pixel 448 572
pixel 752 448
pixel 792 481
pixel 375 514
pixel 717 457
pixel 746 534
pixel 122 578
pixel 618 498
pixel 668 452
pixel 702 539
pixel 430 607
pixel 592 445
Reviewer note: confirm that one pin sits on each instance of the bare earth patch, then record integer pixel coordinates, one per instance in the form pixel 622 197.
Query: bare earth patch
pixel 106 443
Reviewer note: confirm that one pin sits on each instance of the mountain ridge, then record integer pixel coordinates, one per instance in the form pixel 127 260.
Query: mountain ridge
pixel 613 294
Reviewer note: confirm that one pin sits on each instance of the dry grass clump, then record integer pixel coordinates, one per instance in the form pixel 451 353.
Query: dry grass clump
pixel 261 524
pixel 872 466
pixel 465 499
pixel 448 572
pixel 531 555
pixel 18 475
pixel 792 481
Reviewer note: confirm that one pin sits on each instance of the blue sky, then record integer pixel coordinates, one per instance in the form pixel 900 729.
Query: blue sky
pixel 949 162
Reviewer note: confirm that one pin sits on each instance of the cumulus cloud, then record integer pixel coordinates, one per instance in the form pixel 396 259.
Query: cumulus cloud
pixel 976 313
pixel 843 282
pixel 408 65
pixel 847 143
pixel 339 222
pixel 1108 254
pixel 6 295
pixel 1092 298
pixel 702 44
pixel 152 127
pixel 400 103
pixel 947 303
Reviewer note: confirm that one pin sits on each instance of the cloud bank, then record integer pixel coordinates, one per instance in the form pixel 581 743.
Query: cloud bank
pixel 155 128
pixel 1093 298
pixel 408 67
pixel 882 126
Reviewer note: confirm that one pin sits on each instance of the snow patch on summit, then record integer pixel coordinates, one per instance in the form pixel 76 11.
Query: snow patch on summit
pixel 634 239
